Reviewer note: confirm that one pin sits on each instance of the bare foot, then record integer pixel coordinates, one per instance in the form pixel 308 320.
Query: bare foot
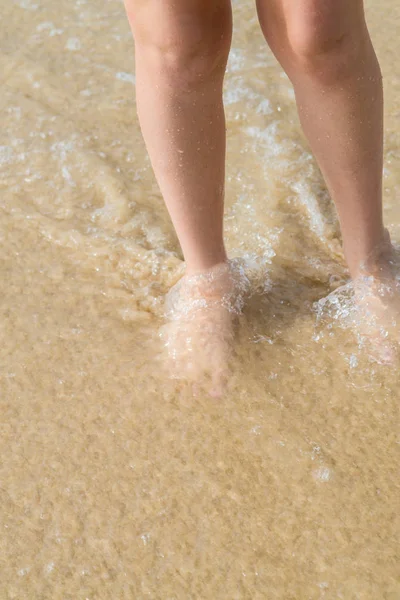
pixel 201 311
pixel 377 297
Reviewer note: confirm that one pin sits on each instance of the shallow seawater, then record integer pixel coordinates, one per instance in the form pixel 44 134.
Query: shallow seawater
pixel 116 481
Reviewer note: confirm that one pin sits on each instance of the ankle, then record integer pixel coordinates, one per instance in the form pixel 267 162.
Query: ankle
pixel 225 283
pixel 377 264
pixel 206 268
pixel 214 281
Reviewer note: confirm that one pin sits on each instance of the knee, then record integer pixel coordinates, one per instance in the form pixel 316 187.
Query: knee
pixel 326 41
pixel 182 47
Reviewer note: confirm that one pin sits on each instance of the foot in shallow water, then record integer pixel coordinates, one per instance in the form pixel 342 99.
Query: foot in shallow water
pixel 378 316
pixel 370 306
pixel 377 301
pixel 201 310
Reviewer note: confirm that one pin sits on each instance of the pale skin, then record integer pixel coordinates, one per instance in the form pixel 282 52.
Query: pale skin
pixel 182 48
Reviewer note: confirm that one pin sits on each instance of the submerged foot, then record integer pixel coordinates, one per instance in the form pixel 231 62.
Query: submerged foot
pixel 377 298
pixel 201 311
pixel 370 305
pixel 378 316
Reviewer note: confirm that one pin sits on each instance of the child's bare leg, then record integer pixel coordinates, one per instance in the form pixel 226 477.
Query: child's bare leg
pixel 181 53
pixel 326 51
pixel 182 48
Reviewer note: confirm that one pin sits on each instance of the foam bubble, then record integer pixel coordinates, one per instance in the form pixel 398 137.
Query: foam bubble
pixel 128 77
pixel 73 44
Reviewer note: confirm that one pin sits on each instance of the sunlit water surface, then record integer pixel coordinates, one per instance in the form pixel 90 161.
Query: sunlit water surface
pixel 115 481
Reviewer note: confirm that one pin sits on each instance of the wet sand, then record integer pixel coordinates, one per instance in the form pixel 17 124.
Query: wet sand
pixel 115 482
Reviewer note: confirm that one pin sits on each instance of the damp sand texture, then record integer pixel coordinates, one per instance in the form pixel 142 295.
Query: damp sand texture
pixel 115 482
